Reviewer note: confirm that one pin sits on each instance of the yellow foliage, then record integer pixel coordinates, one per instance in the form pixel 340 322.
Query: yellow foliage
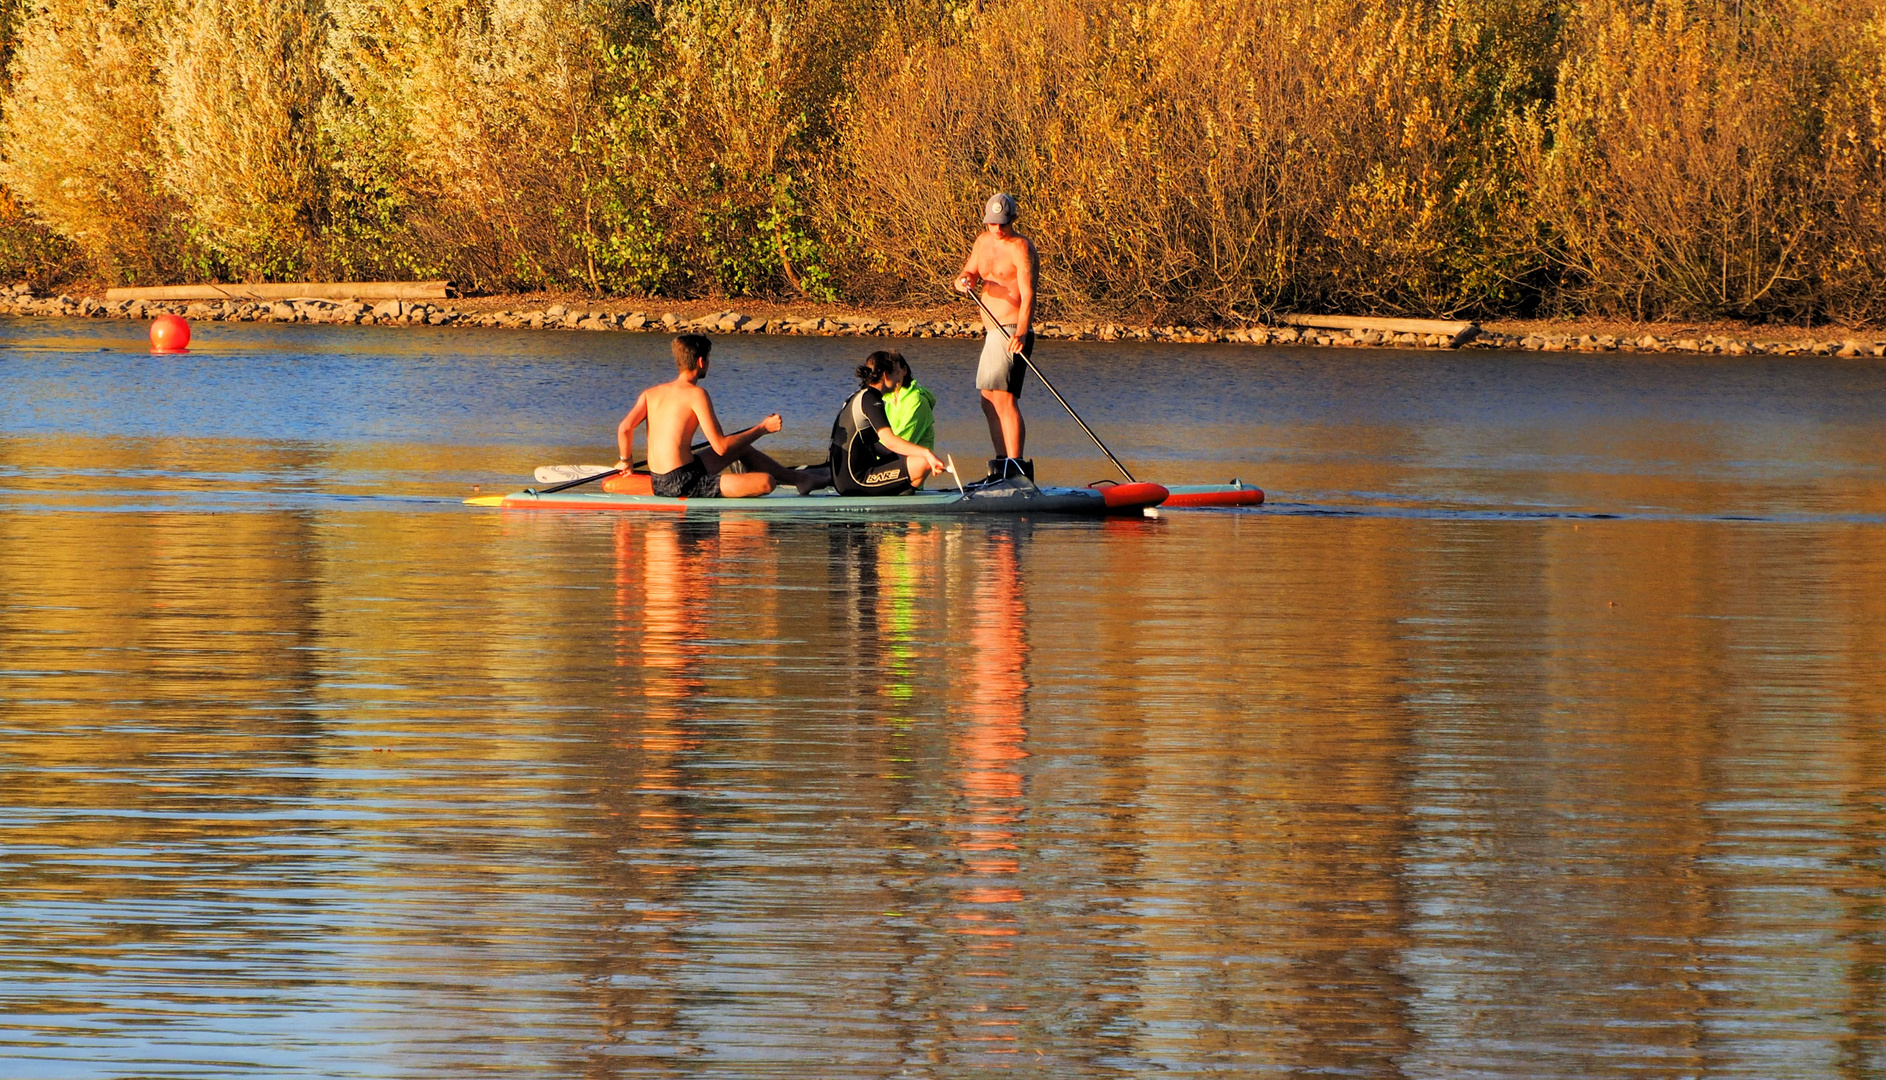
pixel 1200 153
pixel 1852 271
pixel 1680 173
pixel 241 83
pixel 1196 157
pixel 81 146
pixel 467 111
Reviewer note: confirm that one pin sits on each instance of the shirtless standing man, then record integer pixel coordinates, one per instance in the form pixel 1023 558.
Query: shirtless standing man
pixel 673 412
pixel 1003 263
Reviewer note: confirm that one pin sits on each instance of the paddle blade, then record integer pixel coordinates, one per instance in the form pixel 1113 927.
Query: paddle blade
pixel 557 474
pixel 485 500
pixel 578 482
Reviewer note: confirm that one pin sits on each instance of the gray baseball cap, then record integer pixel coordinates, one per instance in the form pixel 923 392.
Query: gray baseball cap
pixel 1001 210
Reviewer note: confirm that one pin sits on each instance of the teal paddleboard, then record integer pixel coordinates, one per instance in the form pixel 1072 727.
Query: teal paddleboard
pixel 1015 496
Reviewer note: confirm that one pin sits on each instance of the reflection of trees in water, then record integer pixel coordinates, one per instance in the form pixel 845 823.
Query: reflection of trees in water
pixel 163 668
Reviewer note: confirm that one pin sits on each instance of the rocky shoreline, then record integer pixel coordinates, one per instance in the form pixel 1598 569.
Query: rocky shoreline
pixel 18 300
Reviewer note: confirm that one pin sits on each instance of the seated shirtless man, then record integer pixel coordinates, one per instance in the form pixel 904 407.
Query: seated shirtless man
pixel 673 412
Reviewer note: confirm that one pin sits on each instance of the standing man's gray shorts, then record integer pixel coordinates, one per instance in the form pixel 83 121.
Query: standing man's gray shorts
pixel 1001 369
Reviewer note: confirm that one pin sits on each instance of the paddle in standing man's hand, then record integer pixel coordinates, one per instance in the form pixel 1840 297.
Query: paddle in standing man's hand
pixel 1002 264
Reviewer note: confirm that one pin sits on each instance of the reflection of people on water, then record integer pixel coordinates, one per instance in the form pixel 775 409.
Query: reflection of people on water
pixel 869 457
pixel 991 745
pixel 673 412
pixel 673 594
pixel 649 815
pixel 907 561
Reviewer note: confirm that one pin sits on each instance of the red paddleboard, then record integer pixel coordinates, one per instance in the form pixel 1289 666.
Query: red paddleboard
pixel 1233 494
pixel 635 483
pixel 1132 496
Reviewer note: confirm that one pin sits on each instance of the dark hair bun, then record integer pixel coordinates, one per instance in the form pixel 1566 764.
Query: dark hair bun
pixel 878 365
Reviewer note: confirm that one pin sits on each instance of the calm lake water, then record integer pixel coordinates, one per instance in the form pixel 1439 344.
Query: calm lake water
pixel 1534 729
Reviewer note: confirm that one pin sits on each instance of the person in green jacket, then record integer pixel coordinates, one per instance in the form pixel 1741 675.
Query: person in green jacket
pixel 910 406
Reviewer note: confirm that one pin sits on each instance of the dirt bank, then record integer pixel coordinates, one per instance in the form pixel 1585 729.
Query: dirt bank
pixel 572 312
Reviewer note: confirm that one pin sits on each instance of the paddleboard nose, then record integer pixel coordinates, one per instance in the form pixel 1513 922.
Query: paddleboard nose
pixel 1129 496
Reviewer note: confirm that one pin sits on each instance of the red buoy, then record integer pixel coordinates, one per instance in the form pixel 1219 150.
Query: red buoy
pixel 170 334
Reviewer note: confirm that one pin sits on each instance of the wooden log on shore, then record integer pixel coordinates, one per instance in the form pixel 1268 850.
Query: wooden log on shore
pixel 305 290
pixel 1458 331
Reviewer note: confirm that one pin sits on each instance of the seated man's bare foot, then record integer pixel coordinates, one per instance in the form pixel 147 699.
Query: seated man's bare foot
pixel 810 480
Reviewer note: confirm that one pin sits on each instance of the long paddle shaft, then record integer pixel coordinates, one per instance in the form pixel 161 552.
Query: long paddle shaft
pixel 993 321
pixel 581 480
pixel 576 482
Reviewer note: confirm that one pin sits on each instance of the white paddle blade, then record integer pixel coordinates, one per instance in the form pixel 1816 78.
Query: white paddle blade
pixel 557 474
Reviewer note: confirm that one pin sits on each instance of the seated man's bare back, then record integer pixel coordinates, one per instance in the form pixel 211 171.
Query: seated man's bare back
pixel 674 412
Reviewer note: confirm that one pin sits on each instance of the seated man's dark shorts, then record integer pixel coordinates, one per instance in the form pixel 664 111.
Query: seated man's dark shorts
pixel 690 481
